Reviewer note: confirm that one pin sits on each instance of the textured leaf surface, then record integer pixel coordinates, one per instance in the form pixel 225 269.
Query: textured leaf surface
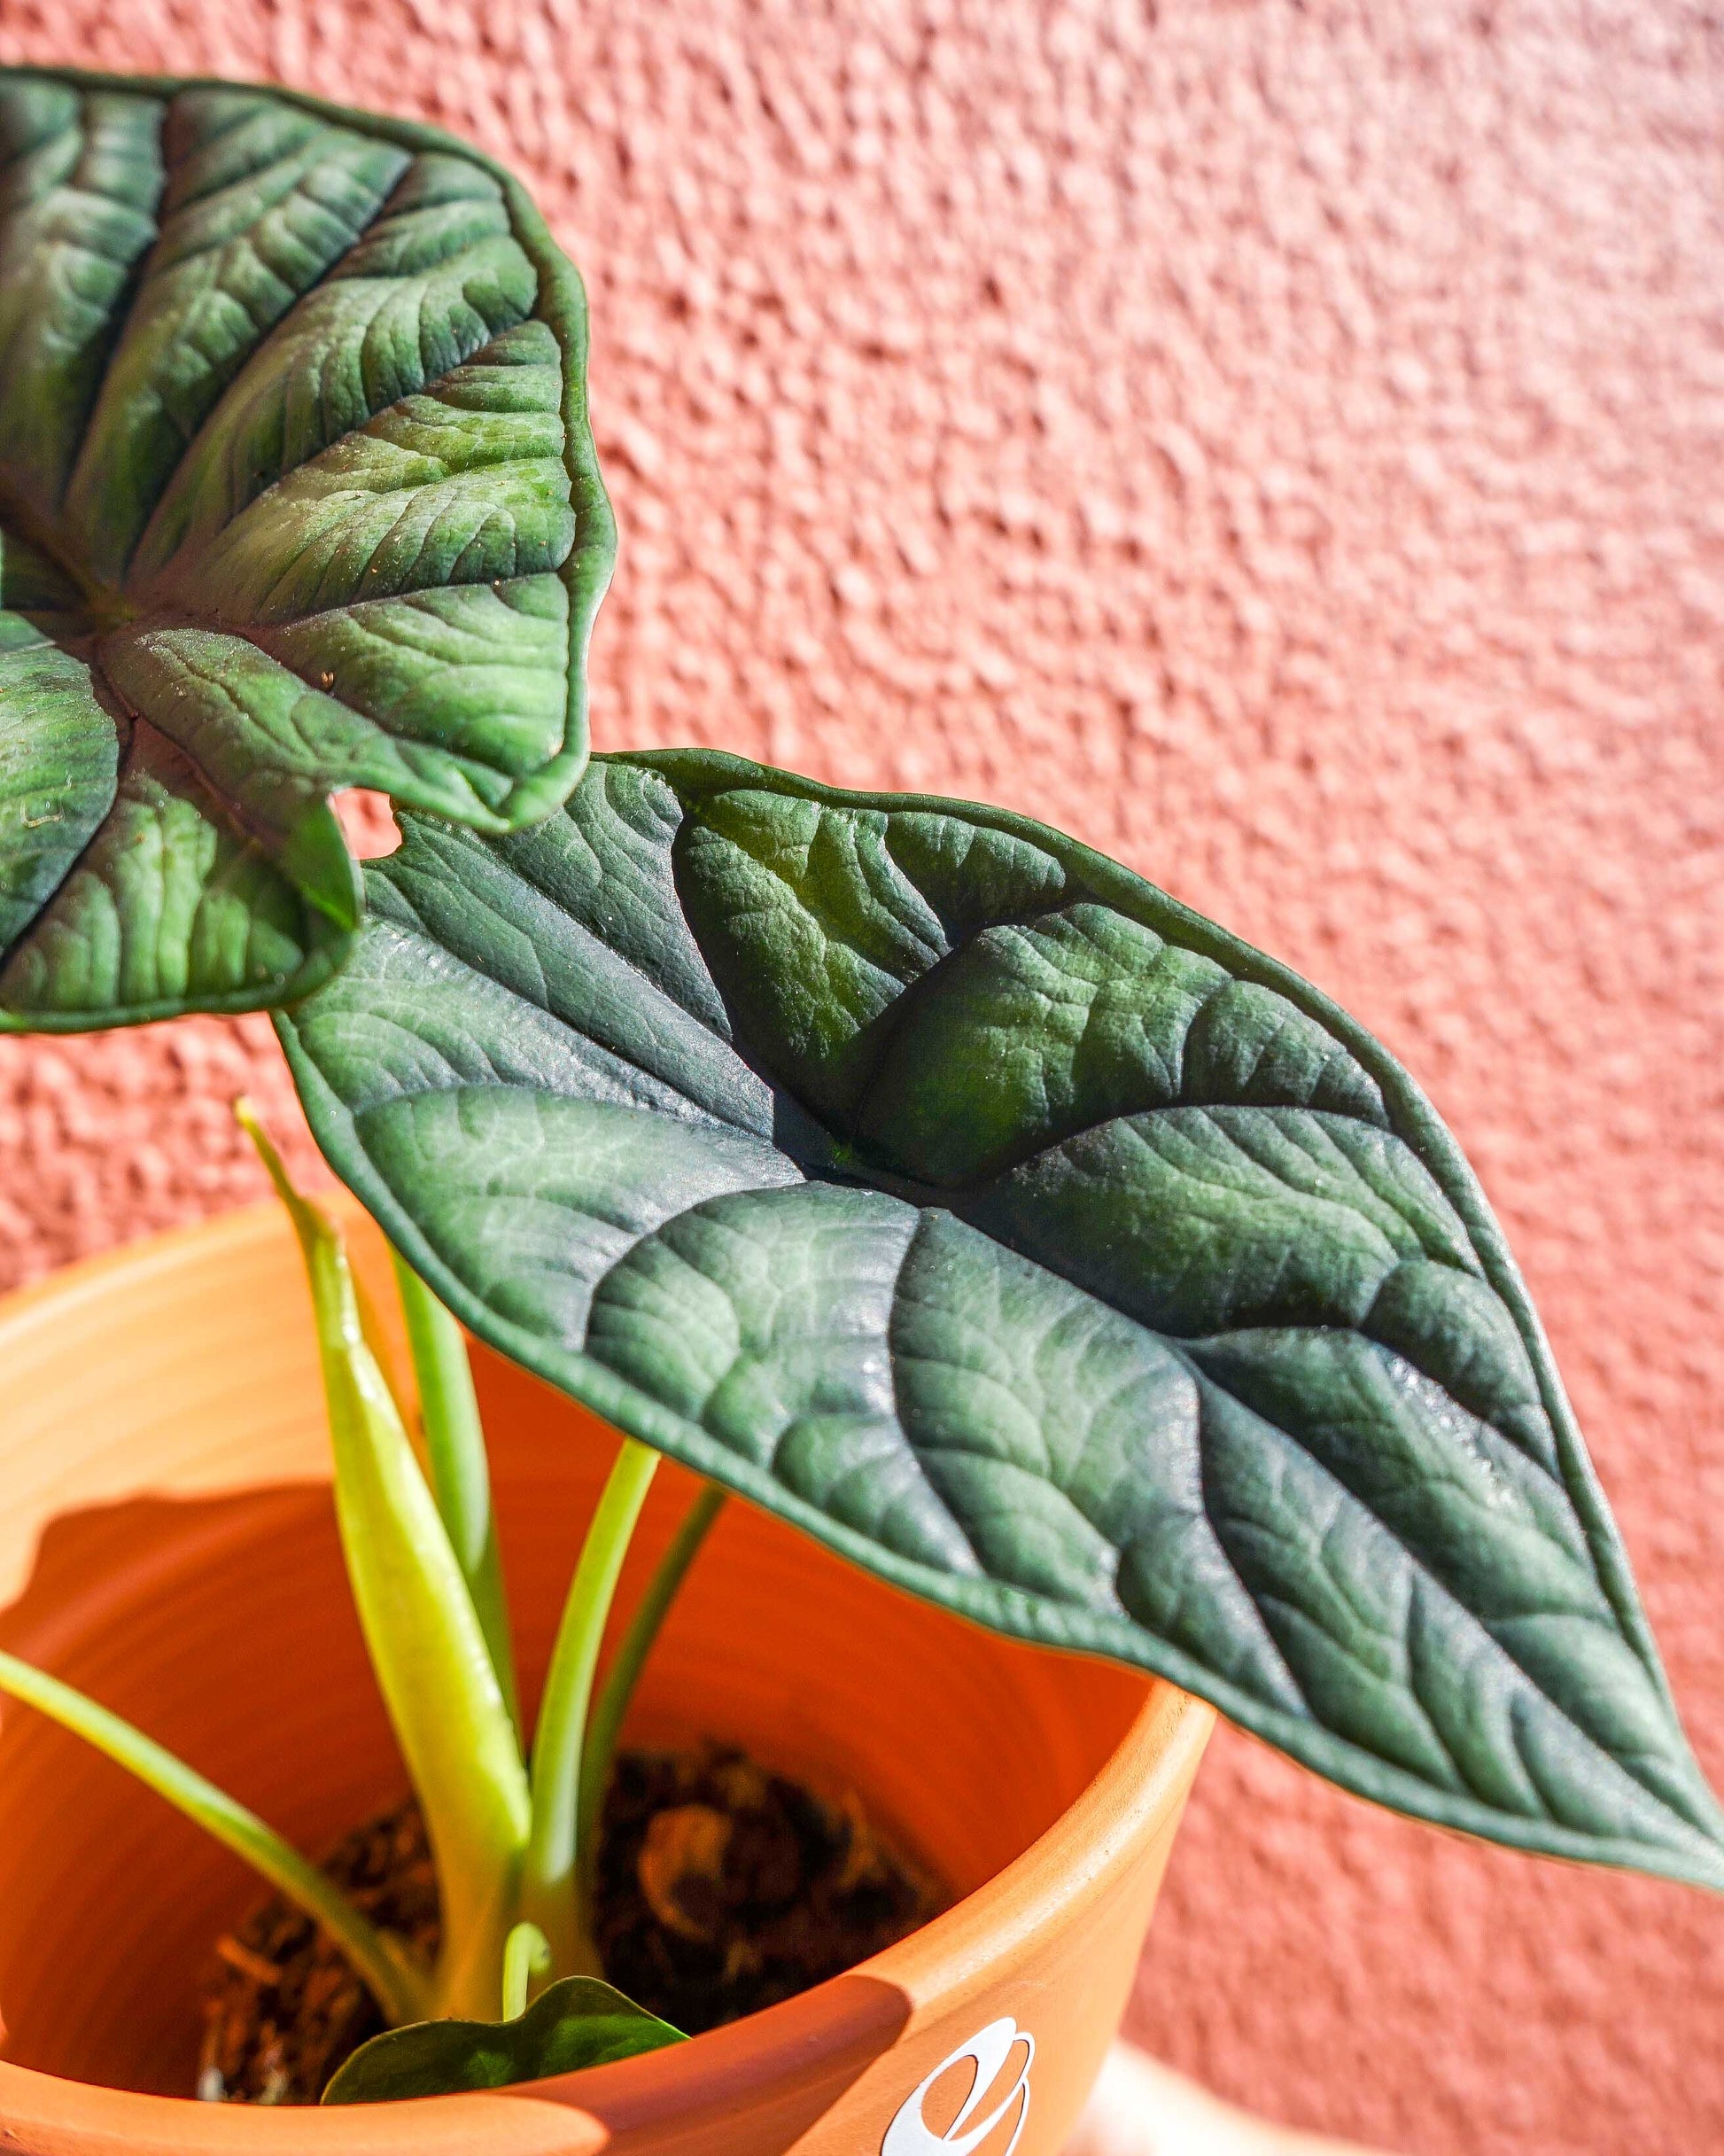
pixel 297 492
pixel 578 2023
pixel 950 1191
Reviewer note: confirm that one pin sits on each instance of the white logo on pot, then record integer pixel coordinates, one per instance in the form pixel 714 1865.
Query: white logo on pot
pixel 911 2135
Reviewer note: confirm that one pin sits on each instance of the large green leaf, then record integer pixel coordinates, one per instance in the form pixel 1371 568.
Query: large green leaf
pixel 580 2022
pixel 297 492
pixel 948 1190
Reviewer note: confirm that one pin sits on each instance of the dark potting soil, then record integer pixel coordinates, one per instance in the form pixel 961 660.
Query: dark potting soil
pixel 722 1888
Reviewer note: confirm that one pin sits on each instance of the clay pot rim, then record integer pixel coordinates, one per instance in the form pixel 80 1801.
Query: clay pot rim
pixel 1073 1863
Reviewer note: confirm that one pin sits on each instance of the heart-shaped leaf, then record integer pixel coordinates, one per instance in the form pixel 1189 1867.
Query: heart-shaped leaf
pixel 580 2022
pixel 947 1189
pixel 297 492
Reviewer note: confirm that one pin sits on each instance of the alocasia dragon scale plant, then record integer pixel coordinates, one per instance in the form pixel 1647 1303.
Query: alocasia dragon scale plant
pixel 909 1168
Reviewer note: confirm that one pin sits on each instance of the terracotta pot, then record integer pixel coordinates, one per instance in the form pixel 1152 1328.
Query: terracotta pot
pixel 166 1542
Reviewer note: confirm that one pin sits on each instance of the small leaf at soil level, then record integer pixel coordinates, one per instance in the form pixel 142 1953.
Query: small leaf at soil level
pixel 297 492
pixel 955 1195
pixel 579 2022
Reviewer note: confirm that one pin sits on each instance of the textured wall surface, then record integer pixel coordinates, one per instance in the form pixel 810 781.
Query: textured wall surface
pixel 1279 443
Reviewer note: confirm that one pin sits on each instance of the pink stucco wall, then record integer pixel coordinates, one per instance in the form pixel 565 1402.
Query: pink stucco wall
pixel 1280 443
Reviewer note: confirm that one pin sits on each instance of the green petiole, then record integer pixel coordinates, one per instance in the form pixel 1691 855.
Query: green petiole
pixel 460 1472
pixel 526 1959
pixel 548 1878
pixel 604 1724
pixel 403 1991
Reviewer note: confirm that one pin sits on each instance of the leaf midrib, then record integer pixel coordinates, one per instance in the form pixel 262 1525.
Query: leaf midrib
pixel 105 607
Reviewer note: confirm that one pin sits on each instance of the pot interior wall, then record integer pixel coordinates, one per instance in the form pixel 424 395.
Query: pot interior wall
pixel 200 1593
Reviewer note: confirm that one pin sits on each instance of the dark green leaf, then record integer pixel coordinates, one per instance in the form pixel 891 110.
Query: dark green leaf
pixel 580 2022
pixel 297 492
pixel 959 1197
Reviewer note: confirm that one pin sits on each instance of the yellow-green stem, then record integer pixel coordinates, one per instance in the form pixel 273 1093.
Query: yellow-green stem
pixel 431 1661
pixel 403 1991
pixel 526 1959
pixel 605 1722
pixel 547 1877
pixel 459 1471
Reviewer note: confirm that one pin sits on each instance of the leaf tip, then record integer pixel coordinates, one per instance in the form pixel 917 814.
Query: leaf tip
pixel 308 1219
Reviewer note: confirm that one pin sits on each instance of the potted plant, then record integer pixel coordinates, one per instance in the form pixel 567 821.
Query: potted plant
pixel 905 1167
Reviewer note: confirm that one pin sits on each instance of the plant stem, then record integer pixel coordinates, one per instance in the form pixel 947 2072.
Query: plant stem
pixel 548 1878
pixel 526 1955
pixel 403 1991
pixel 430 1656
pixel 606 1721
pixel 459 1471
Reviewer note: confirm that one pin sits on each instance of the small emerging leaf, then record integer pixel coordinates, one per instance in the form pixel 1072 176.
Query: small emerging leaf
pixel 948 1190
pixel 428 1648
pixel 297 494
pixel 577 2023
